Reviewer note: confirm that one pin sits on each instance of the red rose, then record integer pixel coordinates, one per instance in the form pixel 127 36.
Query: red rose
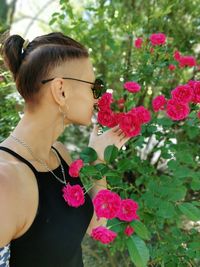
pixel 107 118
pixel 138 42
pixel 103 234
pixel 75 167
pixel 172 67
pixel 132 87
pixel 177 110
pixel 129 230
pixel 183 93
pixel 143 114
pixel 130 124
pixel 157 39
pixel 159 103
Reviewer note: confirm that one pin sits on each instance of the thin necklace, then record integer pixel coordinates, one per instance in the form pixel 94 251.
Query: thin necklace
pixel 41 161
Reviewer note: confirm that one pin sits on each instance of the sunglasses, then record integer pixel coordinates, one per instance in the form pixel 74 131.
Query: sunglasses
pixel 98 85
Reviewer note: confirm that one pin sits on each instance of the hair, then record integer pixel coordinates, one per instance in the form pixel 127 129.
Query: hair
pixel 31 65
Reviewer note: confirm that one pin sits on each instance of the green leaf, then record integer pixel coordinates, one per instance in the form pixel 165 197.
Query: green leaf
pixel 166 210
pixel 124 165
pixel 89 170
pixel 110 153
pixel 140 229
pixel 88 154
pixel 190 211
pixel 102 168
pixel 195 185
pixel 138 251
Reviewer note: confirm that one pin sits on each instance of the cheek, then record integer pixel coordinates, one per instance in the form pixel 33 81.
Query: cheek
pixel 80 108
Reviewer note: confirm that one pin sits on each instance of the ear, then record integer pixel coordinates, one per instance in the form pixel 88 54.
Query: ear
pixel 58 91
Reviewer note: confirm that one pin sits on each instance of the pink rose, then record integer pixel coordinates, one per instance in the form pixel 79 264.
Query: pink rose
pixel 196 92
pixel 171 67
pixel 107 118
pixel 185 61
pixel 143 114
pixel 129 230
pixel 159 103
pixel 73 195
pixel 132 87
pixel 120 103
pixel 177 55
pixel 177 110
pixel 138 42
pixel 183 93
pixel 103 234
pixel 106 204
pixel 128 210
pixel 105 101
pixel 129 123
pixel 157 39
pixel 192 83
pixel 75 167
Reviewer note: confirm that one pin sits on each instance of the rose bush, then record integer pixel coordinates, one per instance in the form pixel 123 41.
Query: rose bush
pixel 158 190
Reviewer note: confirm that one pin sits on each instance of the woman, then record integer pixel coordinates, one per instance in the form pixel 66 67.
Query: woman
pixel 54 75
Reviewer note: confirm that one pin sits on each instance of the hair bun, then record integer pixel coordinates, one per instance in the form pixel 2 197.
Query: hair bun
pixel 11 51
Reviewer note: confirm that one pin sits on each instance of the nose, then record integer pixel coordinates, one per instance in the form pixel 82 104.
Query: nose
pixel 96 101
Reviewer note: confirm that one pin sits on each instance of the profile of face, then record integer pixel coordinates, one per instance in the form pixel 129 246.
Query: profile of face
pixel 79 100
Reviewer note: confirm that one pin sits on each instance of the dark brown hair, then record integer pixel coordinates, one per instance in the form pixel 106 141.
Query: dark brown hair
pixel 34 64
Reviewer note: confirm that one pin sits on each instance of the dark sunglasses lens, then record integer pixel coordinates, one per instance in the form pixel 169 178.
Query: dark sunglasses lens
pixel 99 88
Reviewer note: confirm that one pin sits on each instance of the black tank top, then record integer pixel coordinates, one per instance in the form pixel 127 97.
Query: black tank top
pixel 55 236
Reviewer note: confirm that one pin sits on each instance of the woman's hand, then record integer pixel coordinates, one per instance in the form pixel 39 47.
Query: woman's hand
pixel 113 136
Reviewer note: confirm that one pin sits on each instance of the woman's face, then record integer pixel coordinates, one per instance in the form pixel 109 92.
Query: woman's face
pixel 80 99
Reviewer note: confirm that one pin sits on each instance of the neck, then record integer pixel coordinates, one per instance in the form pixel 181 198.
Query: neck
pixel 39 133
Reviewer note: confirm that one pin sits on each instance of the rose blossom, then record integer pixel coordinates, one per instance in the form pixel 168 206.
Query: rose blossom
pixel 120 103
pixel 73 195
pixel 196 92
pixel 177 110
pixel 105 101
pixel 171 67
pixel 177 55
pixel 107 118
pixel 129 230
pixel 143 114
pixel 157 39
pixel 106 204
pixel 129 123
pixel 159 103
pixel 132 87
pixel 103 234
pixel 128 210
pixel 138 42
pixel 75 167
pixel 183 93
pixel 185 61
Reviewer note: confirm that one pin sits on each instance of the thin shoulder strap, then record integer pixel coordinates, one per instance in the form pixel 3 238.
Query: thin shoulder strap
pixel 61 158
pixel 19 157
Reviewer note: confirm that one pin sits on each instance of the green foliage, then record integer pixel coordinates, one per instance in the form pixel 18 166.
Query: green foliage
pixel 159 169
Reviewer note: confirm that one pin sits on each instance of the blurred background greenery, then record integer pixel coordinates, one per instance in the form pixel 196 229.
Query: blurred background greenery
pixel 108 28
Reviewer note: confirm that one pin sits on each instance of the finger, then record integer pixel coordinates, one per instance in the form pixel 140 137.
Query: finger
pixel 124 138
pixel 115 129
pixel 95 128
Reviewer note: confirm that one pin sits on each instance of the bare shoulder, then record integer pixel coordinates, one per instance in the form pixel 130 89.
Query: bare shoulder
pixel 18 200
pixel 63 151
pixel 9 200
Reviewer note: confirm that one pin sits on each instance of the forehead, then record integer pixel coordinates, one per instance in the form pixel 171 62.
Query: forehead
pixel 75 68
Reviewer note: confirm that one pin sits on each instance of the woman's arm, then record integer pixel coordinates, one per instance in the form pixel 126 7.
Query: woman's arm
pixel 98 185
